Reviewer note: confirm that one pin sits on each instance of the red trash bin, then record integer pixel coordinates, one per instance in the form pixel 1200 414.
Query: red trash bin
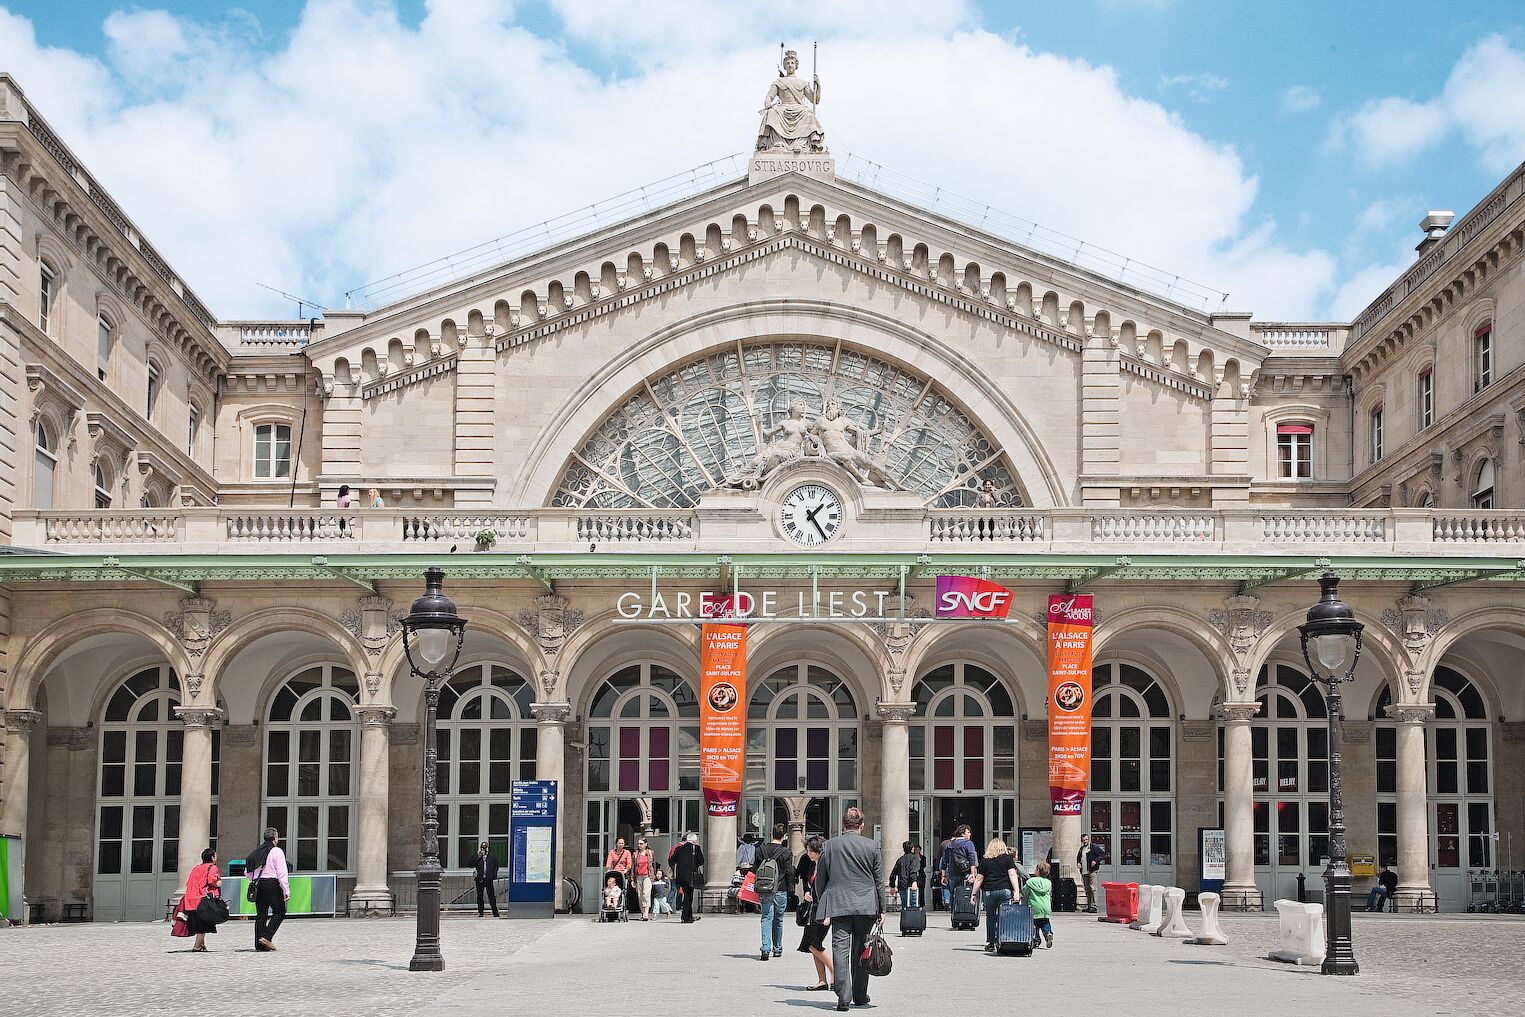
pixel 1122 902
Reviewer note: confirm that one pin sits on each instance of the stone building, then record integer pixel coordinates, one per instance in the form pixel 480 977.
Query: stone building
pixel 199 642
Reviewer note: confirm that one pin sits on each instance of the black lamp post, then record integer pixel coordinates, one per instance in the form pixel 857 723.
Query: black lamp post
pixel 431 636
pixel 1331 646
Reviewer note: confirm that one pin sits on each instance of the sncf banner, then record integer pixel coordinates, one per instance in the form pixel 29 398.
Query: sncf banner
pixel 722 714
pixel 967 597
pixel 1070 619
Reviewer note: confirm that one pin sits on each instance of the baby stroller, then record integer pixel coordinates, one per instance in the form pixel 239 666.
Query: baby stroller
pixel 605 912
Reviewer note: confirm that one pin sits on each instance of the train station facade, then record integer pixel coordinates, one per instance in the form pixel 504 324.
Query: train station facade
pixel 790 382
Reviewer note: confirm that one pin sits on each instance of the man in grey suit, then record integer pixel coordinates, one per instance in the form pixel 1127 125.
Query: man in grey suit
pixel 849 893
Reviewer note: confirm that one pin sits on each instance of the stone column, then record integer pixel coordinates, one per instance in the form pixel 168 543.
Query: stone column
pixel 894 782
pixel 15 776
pixel 1067 831
pixel 719 859
pixel 797 807
pixel 372 895
pixel 1239 890
pixel 1413 805
pixel 195 784
pixel 551 764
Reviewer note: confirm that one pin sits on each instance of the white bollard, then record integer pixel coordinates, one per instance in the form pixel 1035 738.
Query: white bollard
pixel 1173 923
pixel 1212 932
pixel 1144 890
pixel 1156 911
pixel 1302 933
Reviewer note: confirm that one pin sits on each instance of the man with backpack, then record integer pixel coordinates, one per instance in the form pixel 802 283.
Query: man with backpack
pixel 958 860
pixel 774 868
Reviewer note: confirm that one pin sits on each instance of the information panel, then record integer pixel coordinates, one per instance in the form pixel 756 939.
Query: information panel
pixel 1214 855
pixel 532 851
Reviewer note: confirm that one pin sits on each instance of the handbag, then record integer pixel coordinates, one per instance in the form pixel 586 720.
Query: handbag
pixel 252 891
pixel 804 915
pixel 878 959
pixel 212 910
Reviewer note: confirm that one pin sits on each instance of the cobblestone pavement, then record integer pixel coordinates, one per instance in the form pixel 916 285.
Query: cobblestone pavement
pixel 1409 966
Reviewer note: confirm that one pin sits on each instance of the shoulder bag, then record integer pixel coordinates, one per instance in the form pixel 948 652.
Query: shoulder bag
pixel 878 959
pixel 212 910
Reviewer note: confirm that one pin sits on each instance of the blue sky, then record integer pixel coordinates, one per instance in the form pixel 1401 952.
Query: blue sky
pixel 1284 152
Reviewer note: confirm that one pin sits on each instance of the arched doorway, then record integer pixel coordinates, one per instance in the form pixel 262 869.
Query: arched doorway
pixel 1289 742
pixel 486 740
pixel 641 777
pixel 137 847
pixel 1459 777
pixel 1130 807
pixel 312 767
pixel 963 740
pixel 802 741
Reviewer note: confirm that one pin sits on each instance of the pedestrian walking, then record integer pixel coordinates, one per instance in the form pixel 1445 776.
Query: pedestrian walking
pixel 904 877
pixel 958 860
pixel 643 866
pixel 774 876
pixel 265 868
pixel 849 880
pixel 997 876
pixel 921 873
pixel 484 870
pixel 813 941
pixel 204 879
pixel 1038 892
pixel 1088 859
pixel 687 866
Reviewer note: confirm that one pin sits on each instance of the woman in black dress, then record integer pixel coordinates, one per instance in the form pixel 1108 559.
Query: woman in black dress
pixel 813 941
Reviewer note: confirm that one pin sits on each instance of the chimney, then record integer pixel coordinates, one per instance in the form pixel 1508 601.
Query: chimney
pixel 1434 225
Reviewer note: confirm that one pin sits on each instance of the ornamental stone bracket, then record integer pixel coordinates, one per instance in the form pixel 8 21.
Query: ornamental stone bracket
pixel 1198 730
pixel 897 636
pixel 551 713
pixel 22 721
pixel 196 623
pixel 896 713
pixel 1238 713
pixel 1411 713
pixel 1414 620
pixel 1242 622
pixel 552 622
pixel 375 716
pixel 373 621
pixel 49 390
pixel 1355 732
pixel 199 716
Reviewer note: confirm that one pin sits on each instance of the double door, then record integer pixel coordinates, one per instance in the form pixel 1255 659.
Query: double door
pixel 661 820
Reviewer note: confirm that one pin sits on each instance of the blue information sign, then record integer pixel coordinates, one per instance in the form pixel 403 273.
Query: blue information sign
pixel 532 836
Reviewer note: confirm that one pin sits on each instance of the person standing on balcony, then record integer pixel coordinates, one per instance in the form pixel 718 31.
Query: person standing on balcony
pixel 345 498
pixel 373 498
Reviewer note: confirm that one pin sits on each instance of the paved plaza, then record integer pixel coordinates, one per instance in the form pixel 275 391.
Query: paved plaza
pixel 1410 966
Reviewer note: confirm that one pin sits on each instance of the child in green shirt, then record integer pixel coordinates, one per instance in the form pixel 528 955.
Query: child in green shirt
pixel 1036 891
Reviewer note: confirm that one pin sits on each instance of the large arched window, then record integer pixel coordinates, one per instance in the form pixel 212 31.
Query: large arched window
pixel 1459 778
pixel 45 462
pixel 138 797
pixel 802 740
pixel 1131 801
pixel 311 767
pixel 1289 741
pixel 486 741
pixel 642 758
pixel 963 741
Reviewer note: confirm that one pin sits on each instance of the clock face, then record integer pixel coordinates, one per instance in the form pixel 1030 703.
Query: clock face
pixel 811 514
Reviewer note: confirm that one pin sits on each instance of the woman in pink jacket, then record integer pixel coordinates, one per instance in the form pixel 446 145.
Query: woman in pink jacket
pixel 204 879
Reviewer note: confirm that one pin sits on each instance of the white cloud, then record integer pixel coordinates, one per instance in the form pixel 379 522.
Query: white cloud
pixel 1480 99
pixel 1300 99
pixel 358 145
pixel 1379 215
pixel 1199 86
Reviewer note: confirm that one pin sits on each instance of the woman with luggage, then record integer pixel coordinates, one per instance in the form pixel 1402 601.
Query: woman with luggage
pixel 997 875
pixel 204 879
pixel 813 941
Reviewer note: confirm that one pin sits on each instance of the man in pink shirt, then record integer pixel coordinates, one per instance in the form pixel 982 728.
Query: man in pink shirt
pixel 265 868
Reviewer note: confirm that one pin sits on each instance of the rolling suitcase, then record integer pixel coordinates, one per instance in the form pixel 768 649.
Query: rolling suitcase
pixel 1014 929
pixel 966 914
pixel 1065 895
pixel 913 919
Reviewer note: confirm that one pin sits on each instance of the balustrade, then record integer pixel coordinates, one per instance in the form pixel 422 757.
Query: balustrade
pixel 1148 527
pixel 963 526
pixel 1482 526
pixel 456 526
pixel 635 525
pixel 1334 527
pixel 106 527
pixel 290 526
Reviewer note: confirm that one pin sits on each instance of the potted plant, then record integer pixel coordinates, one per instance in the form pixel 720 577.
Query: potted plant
pixel 486 539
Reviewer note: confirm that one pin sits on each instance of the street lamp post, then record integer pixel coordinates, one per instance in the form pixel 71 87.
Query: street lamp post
pixel 431 636
pixel 1331 640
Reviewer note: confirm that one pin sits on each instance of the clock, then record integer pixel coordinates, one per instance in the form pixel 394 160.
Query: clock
pixel 810 514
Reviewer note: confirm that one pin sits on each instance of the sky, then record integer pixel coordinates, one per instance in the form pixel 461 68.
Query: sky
pixel 1281 152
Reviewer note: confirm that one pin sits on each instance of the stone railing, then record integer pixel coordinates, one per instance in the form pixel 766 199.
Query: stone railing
pixel 966 526
pixel 273 333
pixel 1313 338
pixel 1238 530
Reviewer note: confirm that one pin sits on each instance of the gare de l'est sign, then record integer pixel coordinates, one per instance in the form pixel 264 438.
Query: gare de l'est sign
pixel 958 597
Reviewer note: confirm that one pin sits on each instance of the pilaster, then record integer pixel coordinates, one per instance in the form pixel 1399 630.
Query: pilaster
pixel 195 784
pixel 16 769
pixel 894 780
pixel 1414 889
pixel 343 431
pixel 550 764
pixel 1230 444
pixel 1100 419
pixel 1240 893
pixel 372 895
pixel 476 377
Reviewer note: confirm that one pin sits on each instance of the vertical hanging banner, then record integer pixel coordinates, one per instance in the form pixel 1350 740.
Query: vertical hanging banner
pixel 722 714
pixel 1069 701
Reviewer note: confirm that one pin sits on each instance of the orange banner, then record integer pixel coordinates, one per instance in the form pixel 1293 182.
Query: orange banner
pixel 722 715
pixel 1069 701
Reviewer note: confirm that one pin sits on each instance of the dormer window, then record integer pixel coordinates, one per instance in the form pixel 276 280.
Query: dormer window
pixel 1294 451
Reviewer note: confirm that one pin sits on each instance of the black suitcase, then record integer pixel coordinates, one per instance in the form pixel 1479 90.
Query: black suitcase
pixel 1065 895
pixel 966 913
pixel 913 921
pixel 1014 929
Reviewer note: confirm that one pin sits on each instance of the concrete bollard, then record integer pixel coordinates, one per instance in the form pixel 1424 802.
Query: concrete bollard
pixel 1173 922
pixel 1156 911
pixel 1212 932
pixel 1302 933
pixel 1145 891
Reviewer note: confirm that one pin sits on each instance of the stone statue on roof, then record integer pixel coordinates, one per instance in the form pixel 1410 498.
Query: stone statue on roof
pixel 788 113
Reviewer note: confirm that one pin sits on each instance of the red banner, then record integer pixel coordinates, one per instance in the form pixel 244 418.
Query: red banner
pixel 722 715
pixel 1069 701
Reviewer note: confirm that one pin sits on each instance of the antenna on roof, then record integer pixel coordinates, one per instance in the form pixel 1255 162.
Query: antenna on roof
pixel 300 301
